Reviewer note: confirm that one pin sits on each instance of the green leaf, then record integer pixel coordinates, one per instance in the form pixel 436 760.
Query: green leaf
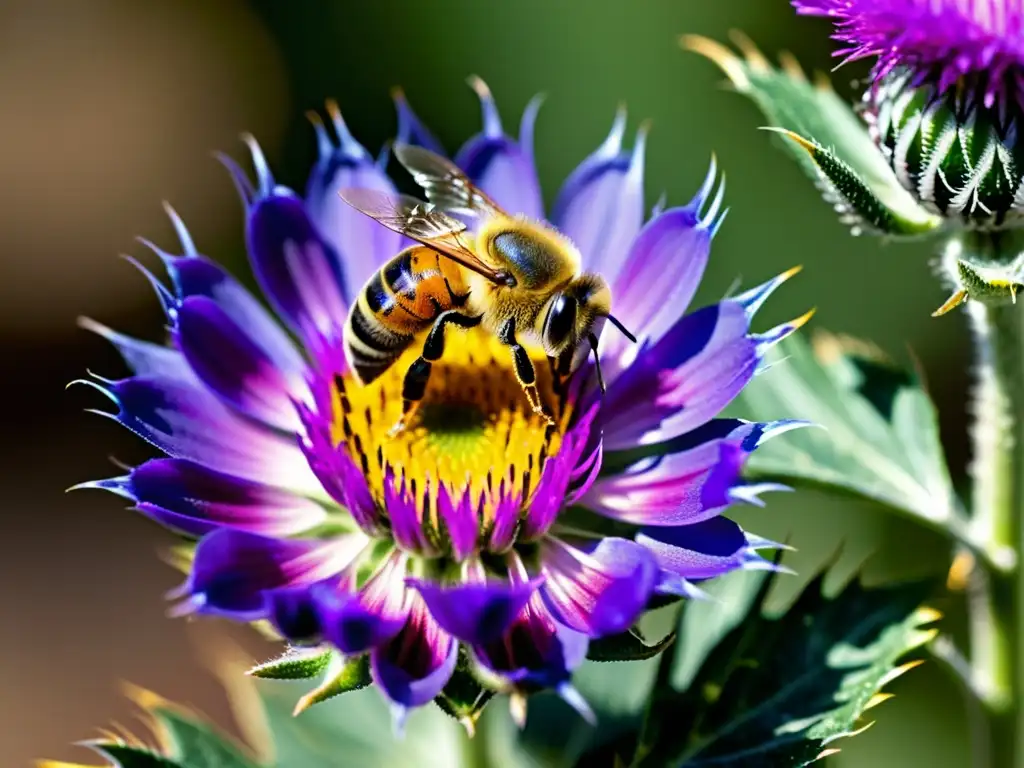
pixel 296 664
pixel 779 691
pixel 341 676
pixel 195 744
pixel 705 622
pixel 880 436
pixel 627 646
pixel 185 741
pixel 873 196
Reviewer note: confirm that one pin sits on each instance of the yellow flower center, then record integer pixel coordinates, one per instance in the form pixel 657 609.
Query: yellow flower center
pixel 474 430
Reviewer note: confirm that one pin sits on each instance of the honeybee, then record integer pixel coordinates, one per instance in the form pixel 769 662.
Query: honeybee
pixel 519 279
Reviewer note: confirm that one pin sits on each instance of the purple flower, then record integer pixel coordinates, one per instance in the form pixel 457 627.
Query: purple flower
pixel 940 41
pixel 449 534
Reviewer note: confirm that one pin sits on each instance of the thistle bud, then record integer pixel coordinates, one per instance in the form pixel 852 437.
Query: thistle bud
pixel 944 100
pixel 958 157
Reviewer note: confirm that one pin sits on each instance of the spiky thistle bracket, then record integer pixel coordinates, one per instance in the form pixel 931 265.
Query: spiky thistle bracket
pixel 826 137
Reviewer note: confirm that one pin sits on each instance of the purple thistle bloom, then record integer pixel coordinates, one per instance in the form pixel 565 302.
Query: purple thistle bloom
pixel 448 534
pixel 939 41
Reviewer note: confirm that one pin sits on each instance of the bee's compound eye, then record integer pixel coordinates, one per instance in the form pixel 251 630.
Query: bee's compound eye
pixel 560 322
pixel 527 256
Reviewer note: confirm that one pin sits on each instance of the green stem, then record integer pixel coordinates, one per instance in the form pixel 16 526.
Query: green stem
pixel 998 469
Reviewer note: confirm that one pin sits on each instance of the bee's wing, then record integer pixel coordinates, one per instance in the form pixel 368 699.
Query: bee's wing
pixel 444 183
pixel 422 222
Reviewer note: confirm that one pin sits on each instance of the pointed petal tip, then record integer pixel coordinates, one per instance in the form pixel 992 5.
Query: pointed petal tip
pixel 612 143
pixel 575 699
pixel 805 318
pixel 760 542
pixel 264 177
pixel 399 716
pixel 479 86
pixel 188 246
pixel 98 386
pixel 491 118
pixel 791 272
pixel 314 117
pixel 93 326
pixel 753 299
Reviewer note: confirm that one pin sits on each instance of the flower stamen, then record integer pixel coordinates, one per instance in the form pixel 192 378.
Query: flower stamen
pixel 475 433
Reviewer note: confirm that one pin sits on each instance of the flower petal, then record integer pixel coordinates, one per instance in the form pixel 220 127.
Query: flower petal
pixel 232 570
pixel 400 503
pixel 413 667
pixel 700 551
pixel 683 380
pixel 340 476
pixel 661 273
pixel 361 243
pixel 601 205
pixel 461 521
pixel 475 613
pixel 195 500
pixel 549 497
pixel 196 276
pixel 293 613
pixel 411 129
pixel 142 357
pixel 500 166
pixel 230 363
pixel 690 484
pixel 356 622
pixel 598 588
pixel 535 650
pixel 185 420
pixel 296 268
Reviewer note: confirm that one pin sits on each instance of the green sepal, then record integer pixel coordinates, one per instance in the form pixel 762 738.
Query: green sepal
pixel 984 266
pixel 780 690
pixel 465 696
pixel 847 165
pixel 627 646
pixel 341 676
pixel 879 435
pixel 851 195
pixel 296 664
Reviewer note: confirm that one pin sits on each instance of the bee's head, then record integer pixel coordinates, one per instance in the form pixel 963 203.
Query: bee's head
pixel 572 313
pixel 573 319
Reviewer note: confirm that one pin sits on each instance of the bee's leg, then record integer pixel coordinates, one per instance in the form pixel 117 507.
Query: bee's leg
pixel 416 377
pixel 525 372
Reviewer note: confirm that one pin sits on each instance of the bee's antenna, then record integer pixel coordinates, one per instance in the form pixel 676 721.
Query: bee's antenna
pixel 622 328
pixel 597 361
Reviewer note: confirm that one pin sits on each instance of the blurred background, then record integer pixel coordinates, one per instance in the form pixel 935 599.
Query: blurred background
pixel 110 107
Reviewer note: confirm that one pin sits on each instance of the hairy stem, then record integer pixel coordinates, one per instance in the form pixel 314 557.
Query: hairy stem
pixel 997 468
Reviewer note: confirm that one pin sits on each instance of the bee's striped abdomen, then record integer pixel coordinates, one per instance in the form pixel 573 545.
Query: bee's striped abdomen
pixel 398 302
